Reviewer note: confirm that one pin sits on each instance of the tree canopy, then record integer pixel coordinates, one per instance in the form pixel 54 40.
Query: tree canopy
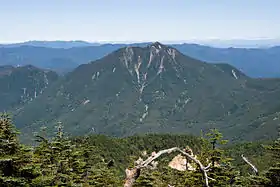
pixel 99 160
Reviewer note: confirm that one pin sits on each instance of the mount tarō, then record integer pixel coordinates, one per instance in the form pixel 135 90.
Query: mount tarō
pixel 156 89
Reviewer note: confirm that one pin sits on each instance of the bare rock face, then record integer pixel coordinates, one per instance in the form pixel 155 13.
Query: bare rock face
pixel 180 163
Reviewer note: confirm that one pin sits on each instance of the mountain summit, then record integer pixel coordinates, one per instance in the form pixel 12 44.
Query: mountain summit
pixel 154 89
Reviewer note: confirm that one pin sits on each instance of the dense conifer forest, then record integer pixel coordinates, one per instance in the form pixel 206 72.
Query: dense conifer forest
pixel 140 160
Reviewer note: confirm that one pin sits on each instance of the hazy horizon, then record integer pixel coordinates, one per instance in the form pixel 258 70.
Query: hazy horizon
pixel 236 43
pixel 143 41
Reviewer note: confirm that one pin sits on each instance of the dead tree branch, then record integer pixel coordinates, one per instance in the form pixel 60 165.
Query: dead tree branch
pixel 250 164
pixel 133 174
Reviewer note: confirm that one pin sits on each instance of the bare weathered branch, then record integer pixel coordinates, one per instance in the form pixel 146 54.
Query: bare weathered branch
pixel 156 155
pixel 250 164
pixel 208 167
pixel 133 174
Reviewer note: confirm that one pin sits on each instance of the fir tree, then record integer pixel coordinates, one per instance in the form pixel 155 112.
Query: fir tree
pixel 221 170
pixel 16 168
pixel 64 162
pixel 59 160
pixel 273 174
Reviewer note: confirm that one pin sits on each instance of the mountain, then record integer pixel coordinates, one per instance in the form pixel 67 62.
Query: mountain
pixel 52 44
pixel 255 62
pixel 59 60
pixel 56 59
pixel 5 70
pixel 22 85
pixel 156 89
pixel 241 43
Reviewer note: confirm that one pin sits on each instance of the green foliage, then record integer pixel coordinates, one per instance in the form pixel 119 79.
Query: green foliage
pixel 9 144
pixel 221 170
pixel 15 167
pixel 214 138
pixel 63 163
pixel 101 160
pixel 273 174
pixel 55 162
pixel 254 151
pixel 19 86
pixel 147 178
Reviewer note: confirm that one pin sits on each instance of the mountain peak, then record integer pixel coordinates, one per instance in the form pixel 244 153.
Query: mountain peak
pixel 148 89
pixel 158 45
pixel 144 60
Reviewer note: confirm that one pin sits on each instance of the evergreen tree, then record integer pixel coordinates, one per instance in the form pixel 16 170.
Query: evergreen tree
pixel 273 174
pixel 59 160
pixel 63 162
pixel 16 168
pixel 99 171
pixel 9 144
pixel 221 170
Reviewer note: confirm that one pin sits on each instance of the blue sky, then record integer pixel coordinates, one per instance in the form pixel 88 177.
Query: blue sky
pixel 133 20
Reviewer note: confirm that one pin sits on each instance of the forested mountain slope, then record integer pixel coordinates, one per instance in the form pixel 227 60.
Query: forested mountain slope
pixel 21 85
pixel 156 89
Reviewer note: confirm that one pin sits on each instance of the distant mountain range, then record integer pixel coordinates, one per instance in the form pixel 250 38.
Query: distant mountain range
pixel 241 43
pixel 219 43
pixel 52 44
pixel 155 88
pixel 63 57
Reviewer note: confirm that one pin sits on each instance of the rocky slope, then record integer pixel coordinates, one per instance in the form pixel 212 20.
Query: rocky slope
pixel 22 85
pixel 156 89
